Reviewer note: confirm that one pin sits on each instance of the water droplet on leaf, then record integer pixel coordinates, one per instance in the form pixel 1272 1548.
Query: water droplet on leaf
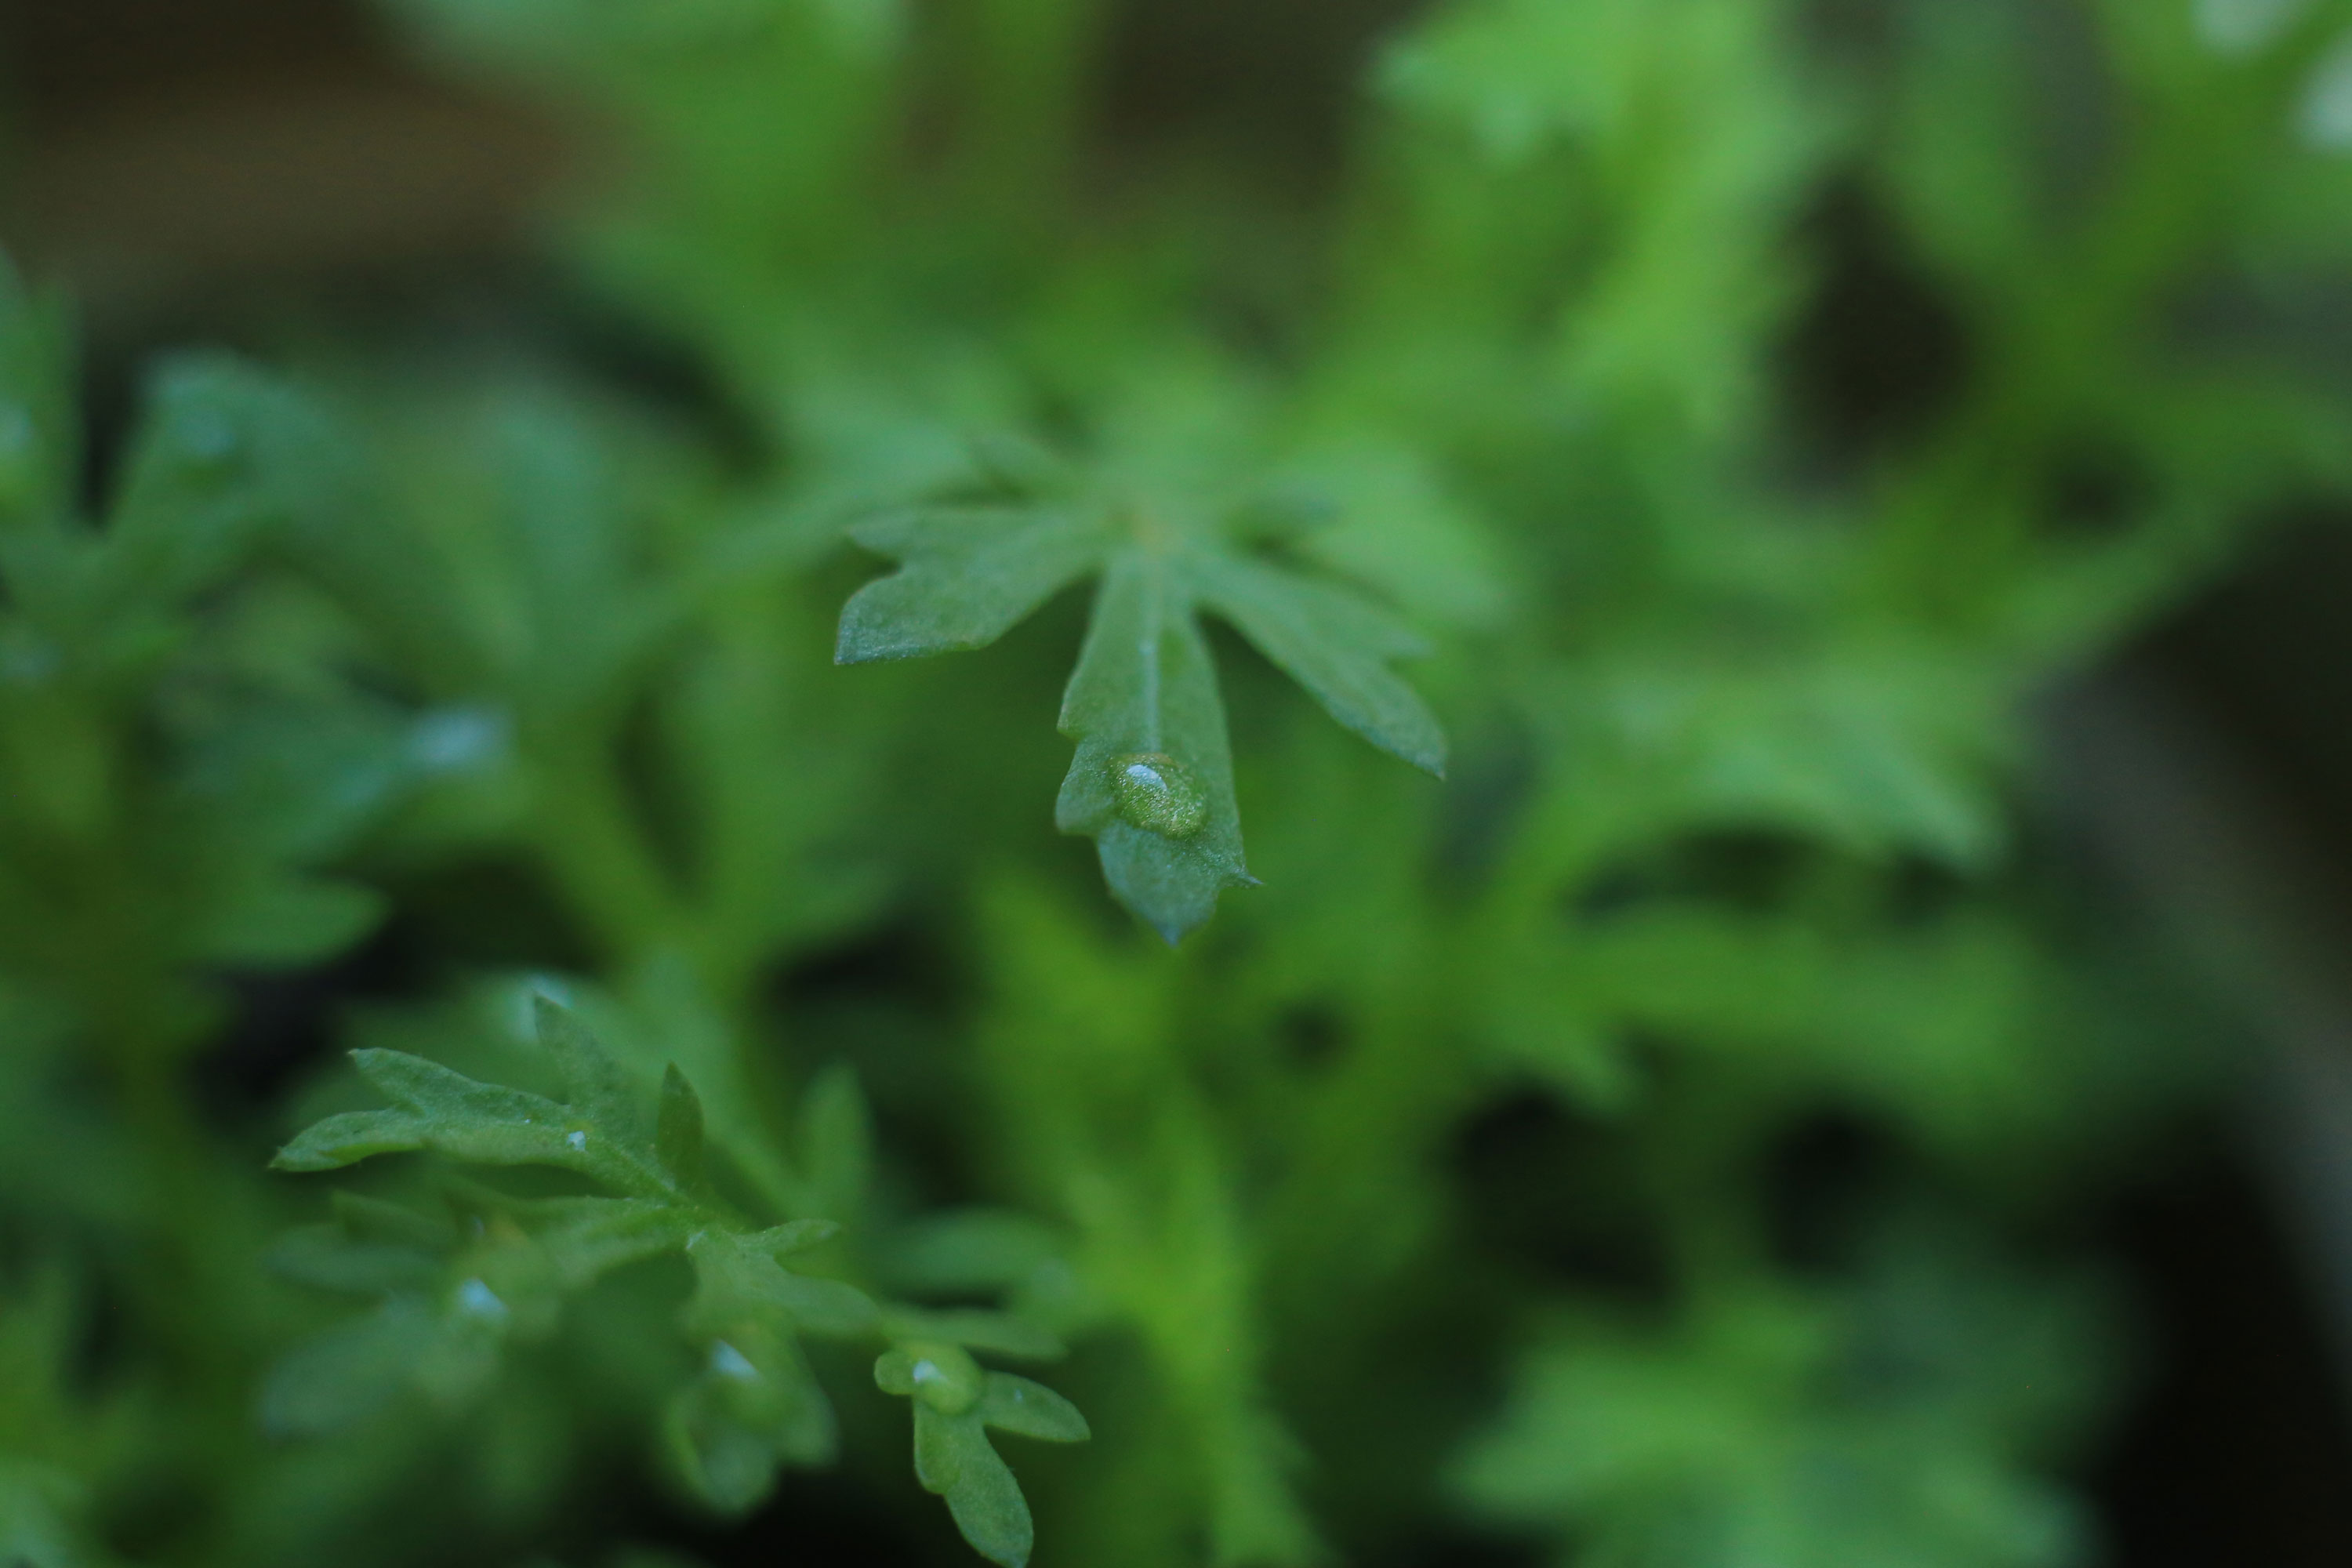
pixel 943 1376
pixel 1155 791
pixel 454 740
pixel 478 1299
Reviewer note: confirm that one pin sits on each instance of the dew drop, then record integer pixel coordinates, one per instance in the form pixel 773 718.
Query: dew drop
pixel 730 1362
pixel 944 1376
pixel 458 740
pixel 478 1299
pixel 578 1141
pixel 1155 791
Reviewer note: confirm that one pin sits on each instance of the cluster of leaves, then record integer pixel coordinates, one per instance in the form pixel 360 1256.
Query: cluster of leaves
pixel 1895 1423
pixel 451 1293
pixel 1155 516
pixel 52 1439
pixel 111 862
pixel 537 663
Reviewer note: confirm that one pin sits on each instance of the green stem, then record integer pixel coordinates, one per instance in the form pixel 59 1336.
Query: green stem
pixel 592 844
pixel 595 846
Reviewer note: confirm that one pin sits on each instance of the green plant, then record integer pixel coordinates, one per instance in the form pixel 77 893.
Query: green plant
pixel 528 662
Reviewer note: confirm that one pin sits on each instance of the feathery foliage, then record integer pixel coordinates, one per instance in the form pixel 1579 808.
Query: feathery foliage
pixel 747 1017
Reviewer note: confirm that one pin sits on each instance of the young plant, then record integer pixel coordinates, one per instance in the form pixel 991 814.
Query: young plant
pixel 1163 514
pixel 451 1294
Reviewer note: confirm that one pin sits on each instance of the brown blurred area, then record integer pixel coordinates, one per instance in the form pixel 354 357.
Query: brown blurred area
pixel 160 153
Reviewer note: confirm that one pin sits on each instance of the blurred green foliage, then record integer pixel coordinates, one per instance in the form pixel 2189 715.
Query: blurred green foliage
pixel 1495 424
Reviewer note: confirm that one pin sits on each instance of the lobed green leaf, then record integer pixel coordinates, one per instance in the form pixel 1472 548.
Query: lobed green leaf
pixel 966 577
pixel 953 1459
pixel 351 1136
pixel 1335 643
pixel 1145 684
pixel 954 1400
pixel 1029 1409
pixel 592 1081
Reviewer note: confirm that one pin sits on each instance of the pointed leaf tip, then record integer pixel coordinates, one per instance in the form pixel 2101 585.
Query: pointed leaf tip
pixel 592 1081
pixel 1338 644
pixel 795 1235
pixel 1029 1409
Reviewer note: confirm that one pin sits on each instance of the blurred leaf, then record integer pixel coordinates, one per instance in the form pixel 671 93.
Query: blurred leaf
pixel 1712 1453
